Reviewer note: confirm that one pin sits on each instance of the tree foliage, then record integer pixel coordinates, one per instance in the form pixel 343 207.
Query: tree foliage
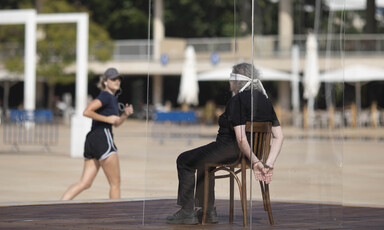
pixel 123 19
pixel 128 19
pixel 56 45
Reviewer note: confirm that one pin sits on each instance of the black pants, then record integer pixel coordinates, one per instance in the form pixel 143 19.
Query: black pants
pixel 190 161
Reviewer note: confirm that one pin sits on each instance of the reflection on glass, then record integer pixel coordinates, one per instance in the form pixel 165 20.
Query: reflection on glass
pixel 332 141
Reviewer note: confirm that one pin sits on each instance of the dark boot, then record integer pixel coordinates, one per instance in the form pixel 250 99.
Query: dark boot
pixel 183 216
pixel 211 215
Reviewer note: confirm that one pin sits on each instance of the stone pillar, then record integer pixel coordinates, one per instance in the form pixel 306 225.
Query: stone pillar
pixel 157 89
pixel 284 94
pixel 5 98
pixel 285 26
pixel 353 115
pixel 158 29
pixel 158 37
pixel 40 95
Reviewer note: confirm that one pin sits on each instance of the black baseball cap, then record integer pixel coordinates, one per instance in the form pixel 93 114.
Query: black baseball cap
pixel 111 73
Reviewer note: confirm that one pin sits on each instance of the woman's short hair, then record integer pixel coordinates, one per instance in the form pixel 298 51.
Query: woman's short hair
pixel 247 70
pixel 100 83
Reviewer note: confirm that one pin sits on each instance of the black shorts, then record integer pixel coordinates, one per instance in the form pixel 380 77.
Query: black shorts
pixel 99 144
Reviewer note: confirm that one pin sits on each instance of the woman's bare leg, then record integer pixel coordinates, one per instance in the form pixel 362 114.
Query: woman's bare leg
pixel 91 167
pixel 112 170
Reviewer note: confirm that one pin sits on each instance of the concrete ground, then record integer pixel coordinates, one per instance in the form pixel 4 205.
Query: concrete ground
pixel 324 166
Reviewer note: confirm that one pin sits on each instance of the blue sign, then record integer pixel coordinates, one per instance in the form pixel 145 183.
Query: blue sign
pixel 164 59
pixel 215 58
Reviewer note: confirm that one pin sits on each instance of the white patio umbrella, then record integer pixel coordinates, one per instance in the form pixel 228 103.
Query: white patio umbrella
pixel 295 95
pixel 189 87
pixel 311 76
pixel 356 75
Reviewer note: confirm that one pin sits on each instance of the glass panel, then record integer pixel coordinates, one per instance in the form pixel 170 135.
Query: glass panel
pixel 308 170
pixel 320 169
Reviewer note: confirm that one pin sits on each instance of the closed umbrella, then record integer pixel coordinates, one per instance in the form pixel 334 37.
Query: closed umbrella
pixel 189 88
pixel 311 76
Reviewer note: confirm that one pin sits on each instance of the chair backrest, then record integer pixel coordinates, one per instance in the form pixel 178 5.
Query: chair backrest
pixel 262 133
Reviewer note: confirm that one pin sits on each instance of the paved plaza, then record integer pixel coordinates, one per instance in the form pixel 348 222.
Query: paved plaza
pixel 341 166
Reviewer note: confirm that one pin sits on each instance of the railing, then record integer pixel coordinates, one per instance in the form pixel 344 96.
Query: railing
pixel 265 46
pixel 132 49
pixel 208 45
pixel 30 128
pixel 352 44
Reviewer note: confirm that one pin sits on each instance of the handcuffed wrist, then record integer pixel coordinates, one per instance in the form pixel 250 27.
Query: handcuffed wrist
pixel 253 164
pixel 268 167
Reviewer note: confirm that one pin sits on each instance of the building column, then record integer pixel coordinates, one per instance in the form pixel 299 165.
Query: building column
pixel 285 26
pixel 158 36
pixel 284 94
pixel 40 95
pixel 5 98
pixel 158 29
pixel 157 89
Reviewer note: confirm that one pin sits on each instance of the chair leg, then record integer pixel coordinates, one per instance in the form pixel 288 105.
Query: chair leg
pixel 268 201
pixel 231 196
pixel 263 195
pixel 206 185
pixel 244 192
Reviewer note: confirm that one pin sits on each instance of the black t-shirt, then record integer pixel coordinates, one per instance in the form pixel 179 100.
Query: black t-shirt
pixel 109 107
pixel 238 112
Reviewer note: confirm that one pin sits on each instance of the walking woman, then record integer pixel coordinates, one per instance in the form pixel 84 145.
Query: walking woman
pixel 99 148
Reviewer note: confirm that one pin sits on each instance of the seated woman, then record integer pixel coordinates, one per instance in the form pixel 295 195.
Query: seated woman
pixel 230 140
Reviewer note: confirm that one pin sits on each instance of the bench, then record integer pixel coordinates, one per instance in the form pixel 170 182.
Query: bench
pixel 30 127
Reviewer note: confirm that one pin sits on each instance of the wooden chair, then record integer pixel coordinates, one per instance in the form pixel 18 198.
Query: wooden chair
pixel 262 132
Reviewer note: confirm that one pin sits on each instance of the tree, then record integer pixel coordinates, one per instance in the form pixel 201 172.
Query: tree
pixel 124 19
pixel 371 25
pixel 56 45
pixel 128 19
